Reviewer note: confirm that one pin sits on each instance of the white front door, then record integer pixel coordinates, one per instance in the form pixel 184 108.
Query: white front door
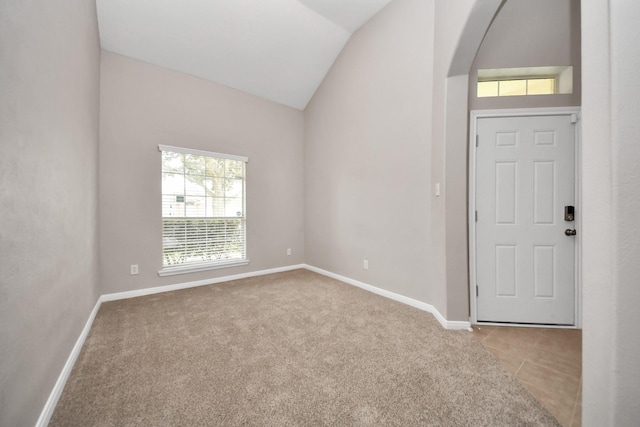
pixel 525 261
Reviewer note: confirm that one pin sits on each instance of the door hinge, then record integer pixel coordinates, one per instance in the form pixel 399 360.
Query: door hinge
pixel 476 216
pixel 477 140
pixel 477 292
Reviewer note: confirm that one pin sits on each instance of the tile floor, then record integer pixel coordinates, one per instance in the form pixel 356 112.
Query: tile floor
pixel 548 362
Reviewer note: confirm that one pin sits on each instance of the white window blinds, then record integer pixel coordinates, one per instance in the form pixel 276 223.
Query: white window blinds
pixel 203 209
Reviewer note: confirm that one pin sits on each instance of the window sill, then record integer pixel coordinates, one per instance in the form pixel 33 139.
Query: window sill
pixel 171 271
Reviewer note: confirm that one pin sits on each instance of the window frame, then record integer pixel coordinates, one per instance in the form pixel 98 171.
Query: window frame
pixel 562 76
pixel 191 267
pixel 525 79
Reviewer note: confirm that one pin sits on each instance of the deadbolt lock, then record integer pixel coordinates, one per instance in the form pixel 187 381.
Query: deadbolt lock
pixel 569 213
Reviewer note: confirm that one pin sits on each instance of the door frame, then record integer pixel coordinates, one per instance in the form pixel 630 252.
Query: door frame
pixel 575 112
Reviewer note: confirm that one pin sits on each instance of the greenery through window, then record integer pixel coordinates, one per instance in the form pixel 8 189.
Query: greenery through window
pixel 203 208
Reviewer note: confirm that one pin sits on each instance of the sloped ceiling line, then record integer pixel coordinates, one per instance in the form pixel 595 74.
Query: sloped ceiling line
pixel 279 50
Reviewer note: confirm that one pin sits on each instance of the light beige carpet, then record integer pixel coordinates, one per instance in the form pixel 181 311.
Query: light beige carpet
pixel 288 349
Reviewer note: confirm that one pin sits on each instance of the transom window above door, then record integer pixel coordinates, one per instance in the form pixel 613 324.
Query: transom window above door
pixel 501 82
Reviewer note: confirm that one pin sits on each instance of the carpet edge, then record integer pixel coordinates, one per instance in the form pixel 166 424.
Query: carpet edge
pixel 204 282
pixel 446 324
pixel 50 405
pixel 56 392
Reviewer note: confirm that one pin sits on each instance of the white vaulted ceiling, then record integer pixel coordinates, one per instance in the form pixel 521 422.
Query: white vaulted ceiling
pixel 276 49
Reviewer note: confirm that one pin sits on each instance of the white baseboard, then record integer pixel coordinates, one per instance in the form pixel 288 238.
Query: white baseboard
pixel 447 324
pixel 167 288
pixel 50 406
pixel 52 401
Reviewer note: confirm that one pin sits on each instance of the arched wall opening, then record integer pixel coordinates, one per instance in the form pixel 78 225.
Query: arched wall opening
pixel 610 202
pixel 496 34
pixel 458 36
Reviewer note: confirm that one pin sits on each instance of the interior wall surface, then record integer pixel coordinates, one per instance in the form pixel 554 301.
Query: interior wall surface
pixel 459 29
pixel 611 205
pixel 625 96
pixel 531 34
pixel 49 88
pixel 142 106
pixel 450 21
pixel 367 155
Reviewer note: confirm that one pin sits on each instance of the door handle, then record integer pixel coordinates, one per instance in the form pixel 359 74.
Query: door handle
pixel 570 232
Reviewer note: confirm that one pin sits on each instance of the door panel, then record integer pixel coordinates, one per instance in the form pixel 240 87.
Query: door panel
pixel 525 264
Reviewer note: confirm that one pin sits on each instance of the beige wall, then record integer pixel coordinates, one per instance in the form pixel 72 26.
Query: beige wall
pixel 530 34
pixel 459 28
pixel 611 206
pixel 374 145
pixel 141 106
pixel 367 155
pixel 49 71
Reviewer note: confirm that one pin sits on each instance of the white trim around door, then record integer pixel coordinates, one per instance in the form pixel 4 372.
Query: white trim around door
pixel 574 113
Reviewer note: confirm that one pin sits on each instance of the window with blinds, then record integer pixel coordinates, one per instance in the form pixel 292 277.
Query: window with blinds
pixel 203 210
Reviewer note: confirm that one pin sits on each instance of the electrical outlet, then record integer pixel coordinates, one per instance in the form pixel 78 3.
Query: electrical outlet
pixel 288 251
pixel 365 264
pixel 134 269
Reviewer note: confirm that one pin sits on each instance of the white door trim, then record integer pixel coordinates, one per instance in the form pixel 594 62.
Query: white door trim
pixel 519 112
